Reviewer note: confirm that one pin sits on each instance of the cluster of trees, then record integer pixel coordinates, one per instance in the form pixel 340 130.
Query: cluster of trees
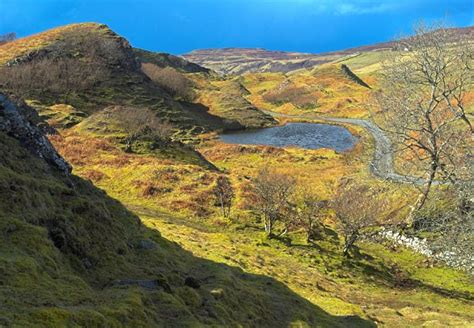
pixel 172 81
pixel 284 205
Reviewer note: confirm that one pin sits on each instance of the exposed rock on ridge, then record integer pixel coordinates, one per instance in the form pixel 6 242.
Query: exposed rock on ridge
pixel 16 120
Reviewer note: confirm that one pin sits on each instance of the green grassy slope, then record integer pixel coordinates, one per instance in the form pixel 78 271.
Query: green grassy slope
pixel 224 97
pixel 72 256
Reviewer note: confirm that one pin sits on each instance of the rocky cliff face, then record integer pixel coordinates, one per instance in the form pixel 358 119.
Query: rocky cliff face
pixel 17 120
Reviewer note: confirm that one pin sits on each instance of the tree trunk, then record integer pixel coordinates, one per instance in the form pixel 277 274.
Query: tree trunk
pixel 349 242
pixel 424 195
pixel 222 206
pixel 429 183
pixel 268 226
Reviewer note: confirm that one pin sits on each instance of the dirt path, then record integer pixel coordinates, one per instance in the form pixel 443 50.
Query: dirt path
pixel 382 163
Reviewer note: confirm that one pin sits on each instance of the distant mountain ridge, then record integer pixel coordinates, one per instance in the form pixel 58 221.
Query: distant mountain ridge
pixel 236 61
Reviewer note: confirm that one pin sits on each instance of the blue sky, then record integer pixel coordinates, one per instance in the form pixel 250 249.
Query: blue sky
pixel 179 26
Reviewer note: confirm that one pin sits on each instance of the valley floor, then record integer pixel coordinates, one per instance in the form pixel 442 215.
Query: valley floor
pixel 389 287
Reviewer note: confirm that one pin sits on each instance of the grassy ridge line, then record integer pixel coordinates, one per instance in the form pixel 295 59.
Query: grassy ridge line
pixel 123 82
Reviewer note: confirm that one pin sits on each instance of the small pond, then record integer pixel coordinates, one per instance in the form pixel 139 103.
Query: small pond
pixel 303 135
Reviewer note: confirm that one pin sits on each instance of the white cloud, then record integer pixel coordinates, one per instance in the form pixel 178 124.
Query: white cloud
pixel 364 7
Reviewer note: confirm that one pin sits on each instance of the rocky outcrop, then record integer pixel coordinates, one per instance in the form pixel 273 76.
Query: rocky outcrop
pixel 347 71
pixel 18 121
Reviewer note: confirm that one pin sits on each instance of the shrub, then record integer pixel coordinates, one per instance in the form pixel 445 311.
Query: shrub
pixel 141 124
pixel 172 81
pixel 224 194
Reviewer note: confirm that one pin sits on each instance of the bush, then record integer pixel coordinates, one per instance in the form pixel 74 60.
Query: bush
pixel 175 83
pixel 141 124
pixel 298 96
pixel 79 65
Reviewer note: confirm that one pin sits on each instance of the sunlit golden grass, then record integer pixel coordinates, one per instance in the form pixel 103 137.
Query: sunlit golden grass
pixel 227 98
pixel 171 190
pixel 174 198
pixel 329 91
pixel 20 47
pixel 366 63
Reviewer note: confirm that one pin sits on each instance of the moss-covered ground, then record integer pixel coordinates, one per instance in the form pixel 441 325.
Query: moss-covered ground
pixel 386 285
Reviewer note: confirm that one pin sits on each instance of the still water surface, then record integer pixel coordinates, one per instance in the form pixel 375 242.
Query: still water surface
pixel 303 135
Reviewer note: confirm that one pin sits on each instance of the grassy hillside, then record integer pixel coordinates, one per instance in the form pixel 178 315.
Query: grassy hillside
pixel 150 247
pixel 102 70
pixel 238 61
pixel 167 60
pixel 380 284
pixel 71 255
pixel 326 90
pixel 227 98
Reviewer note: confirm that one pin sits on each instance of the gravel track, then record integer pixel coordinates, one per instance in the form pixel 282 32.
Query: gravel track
pixel 382 163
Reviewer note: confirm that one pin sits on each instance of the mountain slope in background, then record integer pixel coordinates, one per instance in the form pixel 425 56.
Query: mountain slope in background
pixel 236 61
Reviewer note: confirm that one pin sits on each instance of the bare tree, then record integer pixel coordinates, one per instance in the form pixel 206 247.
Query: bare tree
pixel 224 194
pixel 359 207
pixel 140 123
pixel 423 83
pixel 309 212
pixel 451 223
pixel 273 192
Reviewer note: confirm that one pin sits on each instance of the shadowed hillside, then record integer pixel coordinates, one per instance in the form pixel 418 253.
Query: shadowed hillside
pixel 71 255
